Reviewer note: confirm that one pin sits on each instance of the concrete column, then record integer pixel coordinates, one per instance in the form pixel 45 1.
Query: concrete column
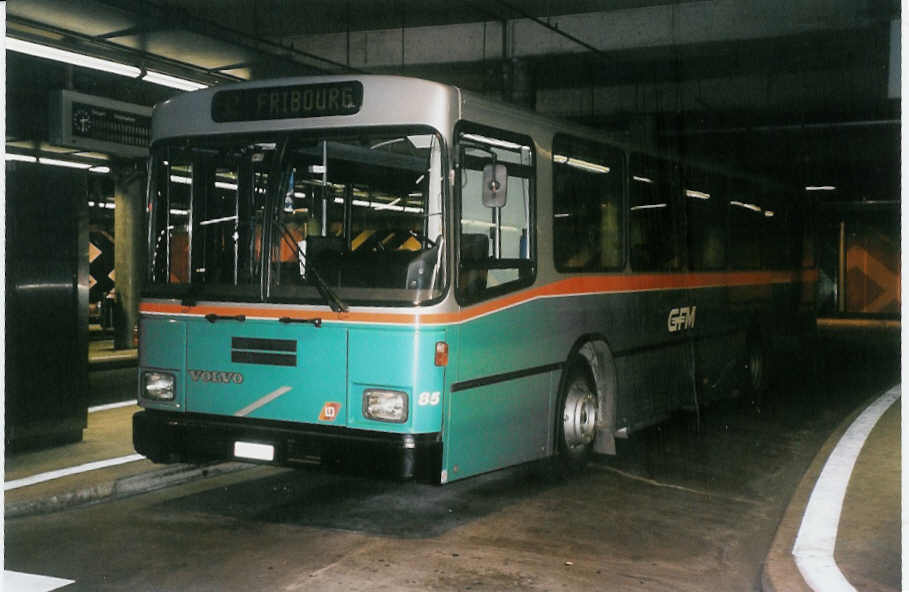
pixel 521 90
pixel 129 248
pixel 643 130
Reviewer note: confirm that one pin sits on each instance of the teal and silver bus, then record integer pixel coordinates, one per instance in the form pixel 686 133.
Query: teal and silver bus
pixel 389 272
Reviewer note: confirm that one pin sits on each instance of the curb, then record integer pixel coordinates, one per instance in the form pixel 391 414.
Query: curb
pixel 779 572
pixel 123 487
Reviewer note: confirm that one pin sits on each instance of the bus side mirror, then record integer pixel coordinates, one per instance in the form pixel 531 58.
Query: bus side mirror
pixel 495 185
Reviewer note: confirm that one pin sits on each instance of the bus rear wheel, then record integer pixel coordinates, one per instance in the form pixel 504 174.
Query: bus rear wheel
pixel 577 420
pixel 755 378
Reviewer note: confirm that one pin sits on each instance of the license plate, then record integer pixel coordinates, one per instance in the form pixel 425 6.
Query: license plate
pixel 254 451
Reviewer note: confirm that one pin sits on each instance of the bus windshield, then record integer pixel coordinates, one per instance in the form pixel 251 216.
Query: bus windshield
pixel 354 217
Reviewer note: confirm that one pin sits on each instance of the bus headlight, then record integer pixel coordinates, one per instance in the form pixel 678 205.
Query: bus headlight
pixel 158 385
pixel 385 405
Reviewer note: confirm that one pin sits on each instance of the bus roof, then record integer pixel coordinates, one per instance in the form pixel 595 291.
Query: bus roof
pixel 307 102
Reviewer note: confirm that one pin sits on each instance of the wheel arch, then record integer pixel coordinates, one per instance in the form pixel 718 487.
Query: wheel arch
pixel 593 350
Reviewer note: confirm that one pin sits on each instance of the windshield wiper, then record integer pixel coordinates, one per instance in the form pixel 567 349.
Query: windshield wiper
pixel 189 298
pixel 213 318
pixel 315 322
pixel 335 303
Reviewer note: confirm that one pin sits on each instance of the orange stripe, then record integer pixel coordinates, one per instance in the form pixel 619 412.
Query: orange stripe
pixel 604 284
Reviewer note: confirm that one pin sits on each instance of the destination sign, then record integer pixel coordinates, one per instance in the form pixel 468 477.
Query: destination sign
pixel 287 102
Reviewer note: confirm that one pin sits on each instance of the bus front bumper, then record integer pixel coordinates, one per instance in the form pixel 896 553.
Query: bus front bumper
pixel 185 437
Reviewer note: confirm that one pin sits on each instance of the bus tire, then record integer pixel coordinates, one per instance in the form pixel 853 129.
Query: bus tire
pixel 576 421
pixel 756 368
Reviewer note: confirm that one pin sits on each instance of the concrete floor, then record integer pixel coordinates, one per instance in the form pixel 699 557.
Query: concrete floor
pixel 687 505
pixel 868 545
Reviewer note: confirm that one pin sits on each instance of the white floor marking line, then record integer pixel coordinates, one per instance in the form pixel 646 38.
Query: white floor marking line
pixel 112 406
pixel 816 540
pixel 50 475
pixel 263 401
pixel 655 483
pixel 17 581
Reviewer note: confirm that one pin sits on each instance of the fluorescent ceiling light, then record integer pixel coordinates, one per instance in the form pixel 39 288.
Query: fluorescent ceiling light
pixel 172 81
pixel 697 194
pixel 20 157
pixel 217 220
pixel 64 163
pixel 580 164
pixel 768 214
pixel 99 169
pixel 494 142
pixel 747 206
pixel 228 186
pixel 642 179
pixel 647 207
pixel 69 57
pixel 387 206
pixel 820 188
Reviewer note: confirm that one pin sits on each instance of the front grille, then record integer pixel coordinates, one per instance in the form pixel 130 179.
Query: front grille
pixel 269 352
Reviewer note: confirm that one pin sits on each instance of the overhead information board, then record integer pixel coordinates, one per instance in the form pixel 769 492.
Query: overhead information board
pixel 94 123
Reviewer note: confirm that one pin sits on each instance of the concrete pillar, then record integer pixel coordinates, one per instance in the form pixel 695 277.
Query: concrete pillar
pixel 129 248
pixel 520 79
pixel 643 130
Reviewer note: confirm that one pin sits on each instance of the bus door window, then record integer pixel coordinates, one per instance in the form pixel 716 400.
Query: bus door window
pixel 745 224
pixel 652 218
pixel 496 243
pixel 206 218
pixel 169 231
pixel 587 205
pixel 705 212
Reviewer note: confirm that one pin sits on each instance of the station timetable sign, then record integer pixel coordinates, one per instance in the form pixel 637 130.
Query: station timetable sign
pixel 94 123
pixel 287 102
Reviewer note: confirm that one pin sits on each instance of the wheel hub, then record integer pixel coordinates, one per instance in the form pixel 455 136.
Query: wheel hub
pixel 580 416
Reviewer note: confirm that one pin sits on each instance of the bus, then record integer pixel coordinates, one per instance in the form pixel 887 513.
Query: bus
pixel 392 273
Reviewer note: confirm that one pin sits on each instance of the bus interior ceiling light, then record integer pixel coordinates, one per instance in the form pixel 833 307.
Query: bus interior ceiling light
pixel 820 188
pixel 493 142
pixel 697 194
pixel 64 163
pixel 590 167
pixel 747 206
pixel 87 61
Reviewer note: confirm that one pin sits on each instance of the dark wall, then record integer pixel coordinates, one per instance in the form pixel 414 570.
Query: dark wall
pixel 46 305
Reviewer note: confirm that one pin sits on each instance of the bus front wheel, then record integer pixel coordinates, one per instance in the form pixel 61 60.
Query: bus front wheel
pixel 577 419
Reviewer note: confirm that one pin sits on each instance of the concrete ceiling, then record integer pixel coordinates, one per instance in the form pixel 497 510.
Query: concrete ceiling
pixel 800 89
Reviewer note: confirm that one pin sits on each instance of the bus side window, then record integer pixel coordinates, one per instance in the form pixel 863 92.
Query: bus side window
pixel 705 213
pixel 587 205
pixel 504 259
pixel 745 218
pixel 776 244
pixel 652 232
